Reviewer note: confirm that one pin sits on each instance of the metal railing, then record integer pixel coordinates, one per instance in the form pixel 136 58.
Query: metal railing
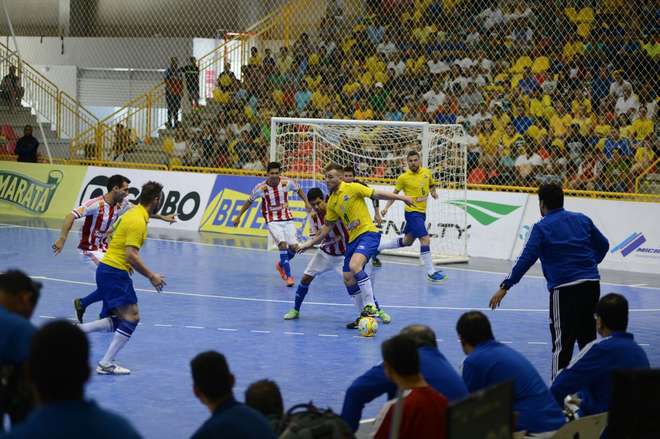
pixel 66 116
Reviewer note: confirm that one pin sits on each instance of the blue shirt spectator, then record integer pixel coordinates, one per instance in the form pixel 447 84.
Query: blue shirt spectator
pixel 27 146
pixel 235 420
pixel 600 84
pixel 522 123
pixel 15 335
pixel 529 84
pixel 302 98
pixel 590 373
pixel 491 363
pixel 623 145
pixel 445 118
pixel 73 420
pixel 434 367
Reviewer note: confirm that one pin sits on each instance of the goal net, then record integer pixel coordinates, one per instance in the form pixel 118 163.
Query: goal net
pixel 377 150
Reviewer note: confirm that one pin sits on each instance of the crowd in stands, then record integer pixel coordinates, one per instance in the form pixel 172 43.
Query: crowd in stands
pixel 44 372
pixel 547 91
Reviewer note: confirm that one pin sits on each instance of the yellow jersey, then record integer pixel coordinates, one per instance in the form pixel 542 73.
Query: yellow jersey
pixel 130 230
pixel 347 203
pixel 416 185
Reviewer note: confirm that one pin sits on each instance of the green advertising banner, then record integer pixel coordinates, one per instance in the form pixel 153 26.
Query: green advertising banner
pixel 35 189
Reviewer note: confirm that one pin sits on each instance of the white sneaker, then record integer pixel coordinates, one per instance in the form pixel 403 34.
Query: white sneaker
pixel 111 369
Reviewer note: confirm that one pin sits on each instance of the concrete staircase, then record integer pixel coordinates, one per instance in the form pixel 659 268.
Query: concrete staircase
pixel 22 116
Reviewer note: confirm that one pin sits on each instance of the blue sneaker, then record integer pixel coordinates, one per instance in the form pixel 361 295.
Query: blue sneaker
pixel 436 277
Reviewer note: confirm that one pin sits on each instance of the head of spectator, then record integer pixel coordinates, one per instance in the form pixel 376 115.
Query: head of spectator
pixel 265 397
pixel 150 196
pixel 18 293
pixel 27 131
pixel 627 91
pixel 551 197
pixel 611 314
pixel 193 61
pixel 473 328
pixel 174 63
pixel 401 362
pixel 212 380
pixel 421 335
pixel 58 364
pixel 615 134
pixel 617 77
pixel 12 71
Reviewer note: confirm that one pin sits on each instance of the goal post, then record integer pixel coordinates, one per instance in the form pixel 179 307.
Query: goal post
pixel 377 151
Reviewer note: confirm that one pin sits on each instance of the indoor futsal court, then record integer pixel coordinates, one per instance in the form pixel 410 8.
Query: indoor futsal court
pixel 223 294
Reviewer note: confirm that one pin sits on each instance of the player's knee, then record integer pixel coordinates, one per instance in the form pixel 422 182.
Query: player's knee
pixel 425 240
pixel 306 279
pixel 349 278
pixel 407 240
pixel 283 246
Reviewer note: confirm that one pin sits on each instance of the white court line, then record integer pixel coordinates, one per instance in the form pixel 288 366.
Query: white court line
pixel 328 335
pixel 506 342
pixel 228 329
pixel 366 421
pixel 160 325
pixel 644 344
pixel 637 285
pixel 294 333
pixel 257 331
pixel 254 299
pixel 537 342
pixel 47 317
pixel 194 327
pixel 262 250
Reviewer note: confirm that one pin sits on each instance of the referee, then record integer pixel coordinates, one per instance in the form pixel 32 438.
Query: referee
pixel 570 248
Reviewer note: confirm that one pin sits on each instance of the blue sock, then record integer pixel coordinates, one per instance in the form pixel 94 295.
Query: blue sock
pixel 125 328
pixel 301 292
pixel 424 248
pixel 92 297
pixel 284 262
pixel 291 254
pixel 353 289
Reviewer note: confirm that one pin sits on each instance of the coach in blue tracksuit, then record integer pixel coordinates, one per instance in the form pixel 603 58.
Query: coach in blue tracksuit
pixel 434 367
pixel 590 374
pixel 489 362
pixel 570 248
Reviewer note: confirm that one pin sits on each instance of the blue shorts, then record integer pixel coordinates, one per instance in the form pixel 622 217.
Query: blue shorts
pixel 366 244
pixel 115 287
pixel 415 224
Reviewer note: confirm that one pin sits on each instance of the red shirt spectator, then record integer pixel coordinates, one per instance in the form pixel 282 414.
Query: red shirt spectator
pixel 424 415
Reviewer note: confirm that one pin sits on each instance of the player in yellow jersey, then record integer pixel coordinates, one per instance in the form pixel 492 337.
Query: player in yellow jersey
pixel 417 182
pixel 346 203
pixel 120 311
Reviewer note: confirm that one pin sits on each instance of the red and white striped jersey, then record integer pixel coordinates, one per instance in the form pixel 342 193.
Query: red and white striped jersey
pixel 334 243
pixel 99 218
pixel 275 199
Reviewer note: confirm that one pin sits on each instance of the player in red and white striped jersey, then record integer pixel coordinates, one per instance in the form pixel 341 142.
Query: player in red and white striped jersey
pixel 274 194
pixel 100 214
pixel 330 255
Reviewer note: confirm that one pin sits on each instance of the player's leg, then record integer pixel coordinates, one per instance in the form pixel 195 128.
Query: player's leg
pixel 432 274
pixel 278 231
pixel 404 241
pixel 301 293
pixel 92 258
pixel 562 327
pixel 128 317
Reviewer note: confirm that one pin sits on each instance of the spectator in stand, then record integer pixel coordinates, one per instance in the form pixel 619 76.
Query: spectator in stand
pixel 484 171
pixel 387 47
pixel 253 163
pixel 230 419
pixel 526 164
pixel 576 144
pixel 59 368
pixel 302 97
pixel 528 83
pixel 600 86
pixel 435 369
pixel 11 90
pixel 616 172
pixel 590 374
pixel 284 61
pixel 27 146
pixel 615 142
pixel 269 62
pixel 492 17
pixel 489 362
pixel 265 397
pixel 173 92
pixel 18 297
pixel 626 102
pixel 255 58
pixel 434 97
pixel 191 74
pixel 617 86
pixel 471 98
pixel 424 411
pixel 589 171
pixel 644 156
pixel 642 126
pixel 121 143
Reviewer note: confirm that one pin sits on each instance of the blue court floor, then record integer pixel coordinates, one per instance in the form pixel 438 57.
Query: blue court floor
pixel 224 294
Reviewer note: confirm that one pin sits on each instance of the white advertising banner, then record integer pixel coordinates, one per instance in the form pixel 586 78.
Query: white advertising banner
pixel 631 227
pixel 185 194
pixel 492 220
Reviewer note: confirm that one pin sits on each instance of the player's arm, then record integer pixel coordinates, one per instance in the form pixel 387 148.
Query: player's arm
pixel 133 258
pixel 362 391
pixel 303 197
pixel 389 203
pixel 167 218
pixel 526 259
pixel 237 219
pixel 64 233
pixel 318 238
pixel 392 196
pixel 599 242
pixel 578 374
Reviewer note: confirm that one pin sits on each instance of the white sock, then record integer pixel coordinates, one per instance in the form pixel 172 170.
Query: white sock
pixel 357 300
pixel 367 292
pixel 118 342
pixel 392 243
pixel 103 325
pixel 427 260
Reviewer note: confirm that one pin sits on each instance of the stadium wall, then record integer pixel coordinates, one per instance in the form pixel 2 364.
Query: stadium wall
pixel 498 222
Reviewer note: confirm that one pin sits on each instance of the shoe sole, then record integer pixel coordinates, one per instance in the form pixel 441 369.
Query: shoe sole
pixel 434 281
pixel 291 318
pixel 102 372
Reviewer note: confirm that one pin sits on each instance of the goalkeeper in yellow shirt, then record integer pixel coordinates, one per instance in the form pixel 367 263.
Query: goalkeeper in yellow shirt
pixel 417 182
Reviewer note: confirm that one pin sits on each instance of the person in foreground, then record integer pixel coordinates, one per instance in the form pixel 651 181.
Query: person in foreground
pixel 424 411
pixel 590 374
pixel 230 419
pixel 434 367
pixel 58 367
pixel 489 362
pixel 570 248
